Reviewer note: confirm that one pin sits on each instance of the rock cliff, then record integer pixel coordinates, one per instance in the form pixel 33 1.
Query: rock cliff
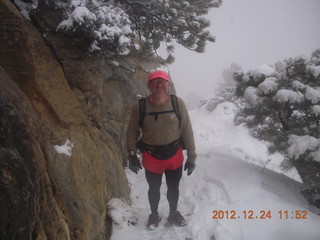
pixel 52 94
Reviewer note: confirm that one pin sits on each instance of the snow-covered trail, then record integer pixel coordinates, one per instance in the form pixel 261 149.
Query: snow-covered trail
pixel 222 182
pixel 226 181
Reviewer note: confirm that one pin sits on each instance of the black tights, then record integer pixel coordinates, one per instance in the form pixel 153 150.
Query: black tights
pixel 154 180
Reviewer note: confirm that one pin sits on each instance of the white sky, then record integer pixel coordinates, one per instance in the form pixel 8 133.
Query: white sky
pixel 250 33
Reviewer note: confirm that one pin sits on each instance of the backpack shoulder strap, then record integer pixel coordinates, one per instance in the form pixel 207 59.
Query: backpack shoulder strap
pixel 142 110
pixel 175 106
pixel 174 101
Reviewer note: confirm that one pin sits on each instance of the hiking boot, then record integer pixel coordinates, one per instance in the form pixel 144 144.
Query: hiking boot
pixel 153 221
pixel 177 219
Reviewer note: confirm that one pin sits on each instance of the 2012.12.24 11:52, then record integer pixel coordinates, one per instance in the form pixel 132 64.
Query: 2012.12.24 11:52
pixel 262 214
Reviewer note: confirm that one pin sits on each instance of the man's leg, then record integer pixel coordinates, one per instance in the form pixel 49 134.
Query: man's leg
pixel 173 179
pixel 154 181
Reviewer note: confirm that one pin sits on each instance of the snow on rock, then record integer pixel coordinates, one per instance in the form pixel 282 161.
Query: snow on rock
pixel 115 63
pixel 121 213
pixel 26 6
pixel 65 149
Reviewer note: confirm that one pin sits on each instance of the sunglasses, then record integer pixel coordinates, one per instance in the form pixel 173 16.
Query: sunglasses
pixel 158 81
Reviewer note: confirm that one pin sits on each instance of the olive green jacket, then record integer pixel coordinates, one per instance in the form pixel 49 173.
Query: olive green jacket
pixel 163 130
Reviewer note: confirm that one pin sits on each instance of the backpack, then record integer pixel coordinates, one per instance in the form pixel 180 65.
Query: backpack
pixel 143 113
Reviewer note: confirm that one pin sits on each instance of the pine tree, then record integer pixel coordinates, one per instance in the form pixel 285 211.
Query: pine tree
pixel 123 26
pixel 283 108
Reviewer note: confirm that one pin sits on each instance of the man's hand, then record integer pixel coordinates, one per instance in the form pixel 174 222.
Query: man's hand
pixel 190 166
pixel 134 163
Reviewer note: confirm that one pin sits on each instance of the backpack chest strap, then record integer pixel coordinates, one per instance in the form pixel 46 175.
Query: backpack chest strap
pixel 142 110
pixel 155 114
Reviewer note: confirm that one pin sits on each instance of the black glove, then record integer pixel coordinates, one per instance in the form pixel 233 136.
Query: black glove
pixel 190 166
pixel 134 163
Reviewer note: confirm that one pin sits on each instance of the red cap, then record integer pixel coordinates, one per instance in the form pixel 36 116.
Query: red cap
pixel 158 74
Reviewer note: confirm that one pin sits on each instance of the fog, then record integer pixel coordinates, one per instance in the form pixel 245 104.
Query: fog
pixel 249 33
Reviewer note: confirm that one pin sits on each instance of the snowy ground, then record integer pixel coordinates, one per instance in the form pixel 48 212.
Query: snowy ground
pixel 234 177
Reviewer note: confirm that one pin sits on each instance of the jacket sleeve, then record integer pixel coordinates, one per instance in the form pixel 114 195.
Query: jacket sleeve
pixel 186 131
pixel 133 131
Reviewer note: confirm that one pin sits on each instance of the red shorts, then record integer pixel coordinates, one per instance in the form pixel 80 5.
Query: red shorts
pixel 155 165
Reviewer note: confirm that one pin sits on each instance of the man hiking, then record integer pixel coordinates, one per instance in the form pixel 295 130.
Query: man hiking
pixel 160 128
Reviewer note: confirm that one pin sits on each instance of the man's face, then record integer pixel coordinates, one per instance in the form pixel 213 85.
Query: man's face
pixel 159 86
